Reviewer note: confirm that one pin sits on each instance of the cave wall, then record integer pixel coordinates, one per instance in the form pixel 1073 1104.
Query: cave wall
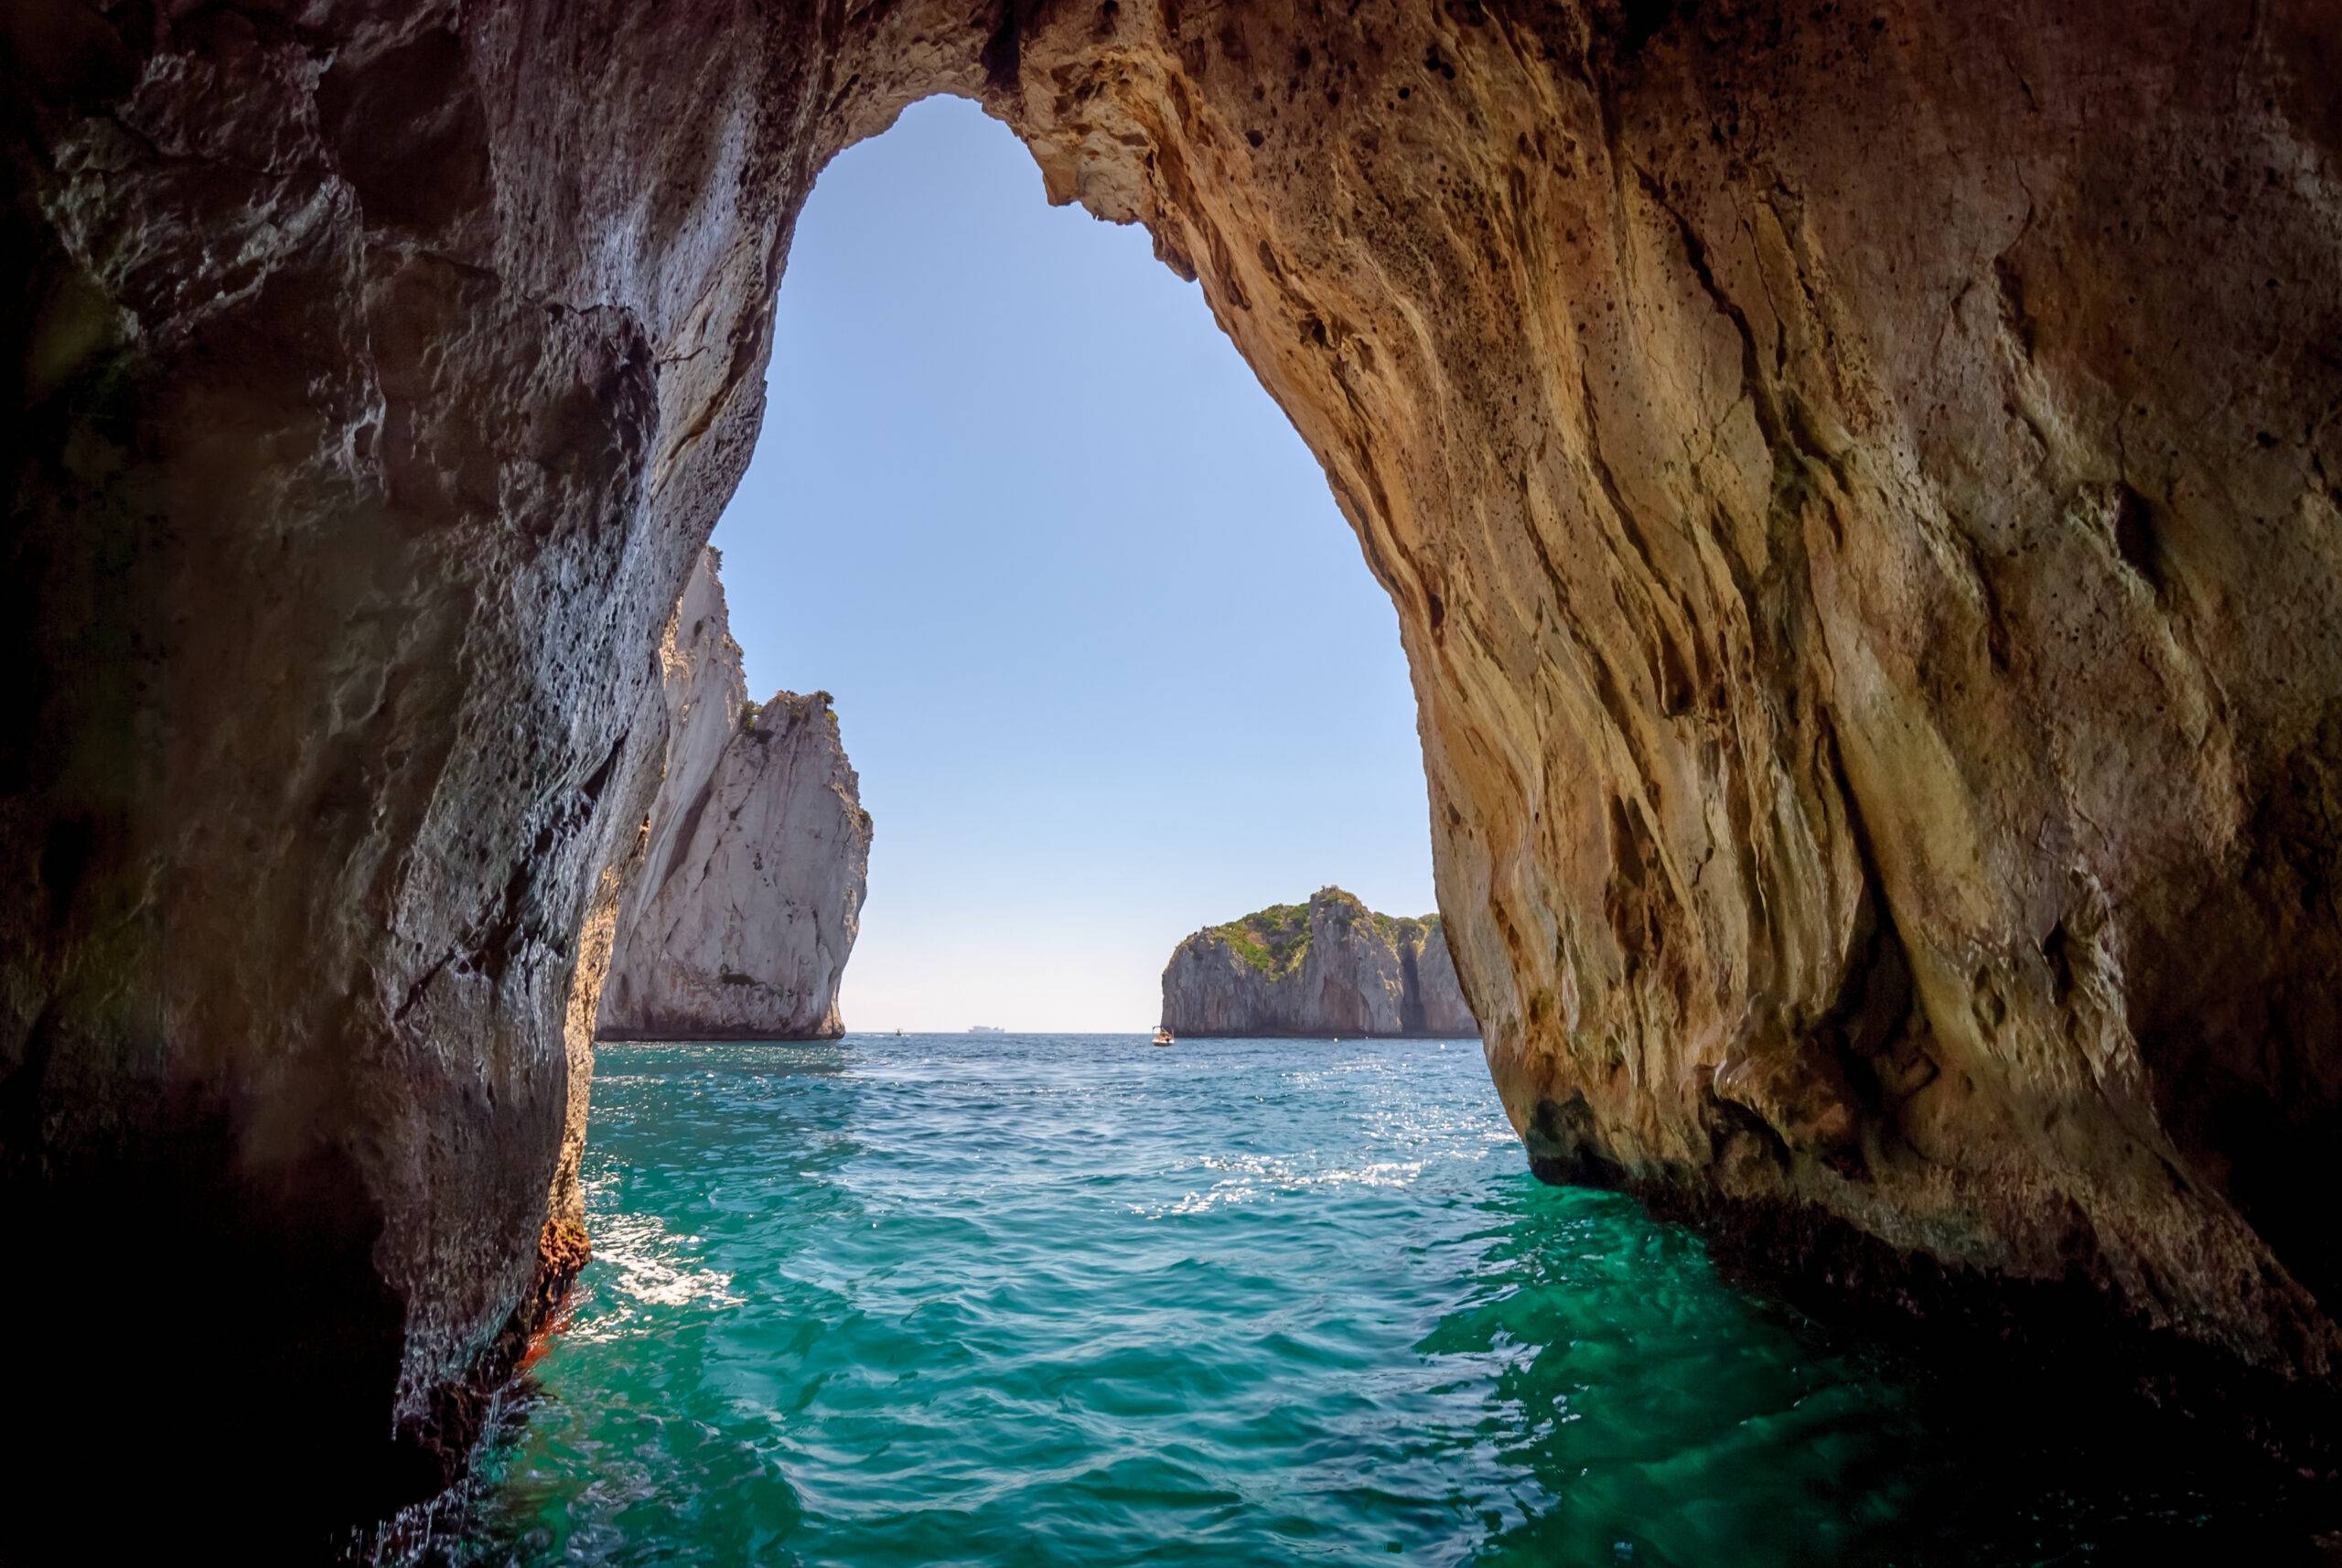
pixel 1857 487
pixel 345 479
pixel 1856 482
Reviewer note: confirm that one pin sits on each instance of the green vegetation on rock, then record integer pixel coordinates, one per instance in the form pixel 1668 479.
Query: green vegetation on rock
pixel 1274 941
pixel 1404 932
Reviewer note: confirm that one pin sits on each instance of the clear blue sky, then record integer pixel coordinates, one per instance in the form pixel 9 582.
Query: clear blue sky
pixel 1107 658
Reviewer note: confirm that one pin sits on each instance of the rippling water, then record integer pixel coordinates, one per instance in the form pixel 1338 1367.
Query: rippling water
pixel 1048 1300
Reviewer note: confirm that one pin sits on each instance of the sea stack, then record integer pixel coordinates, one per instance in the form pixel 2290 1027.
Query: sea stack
pixel 747 895
pixel 1331 966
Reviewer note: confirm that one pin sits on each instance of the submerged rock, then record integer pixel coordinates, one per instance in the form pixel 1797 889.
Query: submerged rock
pixel 1331 966
pixel 745 905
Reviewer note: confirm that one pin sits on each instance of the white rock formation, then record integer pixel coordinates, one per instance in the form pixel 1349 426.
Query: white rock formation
pixel 746 903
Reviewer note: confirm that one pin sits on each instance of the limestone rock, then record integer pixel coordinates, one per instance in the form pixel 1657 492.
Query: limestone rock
pixel 738 923
pixel 1329 967
pixel 1857 484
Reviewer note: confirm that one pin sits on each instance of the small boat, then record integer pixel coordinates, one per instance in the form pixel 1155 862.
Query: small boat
pixel 1162 1036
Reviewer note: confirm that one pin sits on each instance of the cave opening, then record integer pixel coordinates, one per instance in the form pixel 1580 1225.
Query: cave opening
pixel 1101 648
pixel 1843 479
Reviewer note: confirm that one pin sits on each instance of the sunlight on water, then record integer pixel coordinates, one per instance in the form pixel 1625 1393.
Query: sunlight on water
pixel 1010 1301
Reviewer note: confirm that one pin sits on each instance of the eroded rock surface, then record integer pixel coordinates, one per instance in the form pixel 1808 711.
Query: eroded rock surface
pixel 1858 486
pixel 739 920
pixel 1329 967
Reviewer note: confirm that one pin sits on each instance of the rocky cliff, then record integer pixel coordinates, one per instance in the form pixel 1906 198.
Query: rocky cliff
pixel 738 921
pixel 1331 966
pixel 1857 485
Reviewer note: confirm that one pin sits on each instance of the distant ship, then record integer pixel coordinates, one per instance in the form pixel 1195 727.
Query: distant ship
pixel 984 1029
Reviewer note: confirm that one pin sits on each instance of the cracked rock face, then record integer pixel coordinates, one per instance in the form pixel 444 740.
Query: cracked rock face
pixel 738 921
pixel 1858 486
pixel 1329 967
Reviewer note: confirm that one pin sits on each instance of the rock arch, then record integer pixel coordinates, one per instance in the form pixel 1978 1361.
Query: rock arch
pixel 1857 484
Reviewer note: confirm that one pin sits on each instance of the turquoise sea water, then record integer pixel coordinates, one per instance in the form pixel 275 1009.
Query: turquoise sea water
pixel 1048 1300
